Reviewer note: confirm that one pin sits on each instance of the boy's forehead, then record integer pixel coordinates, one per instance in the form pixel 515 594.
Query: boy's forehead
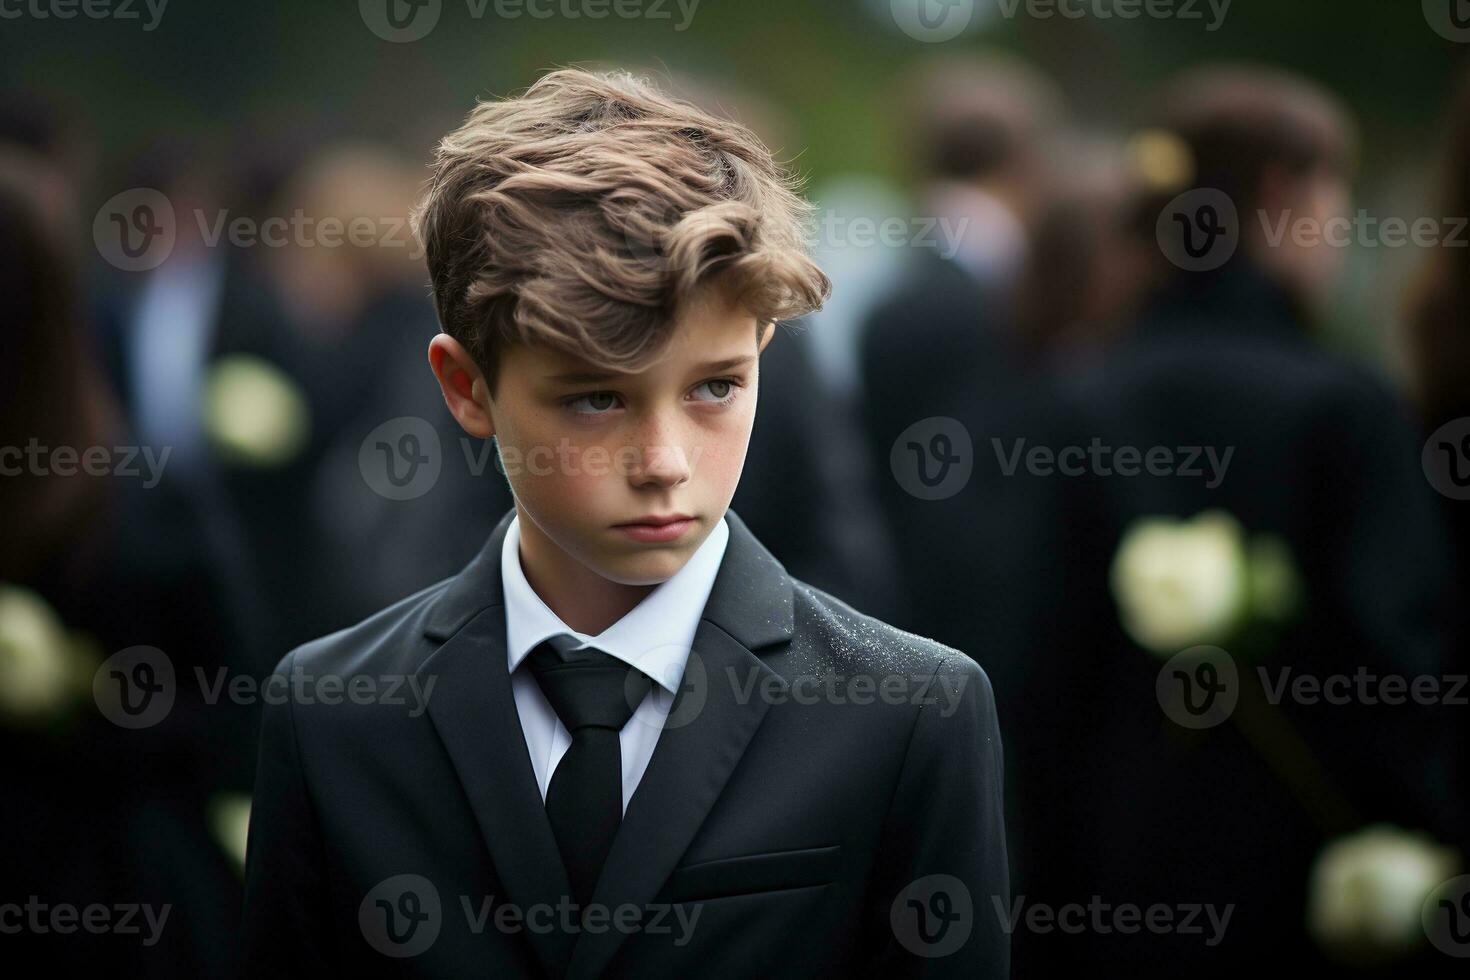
pixel 693 342
pixel 567 367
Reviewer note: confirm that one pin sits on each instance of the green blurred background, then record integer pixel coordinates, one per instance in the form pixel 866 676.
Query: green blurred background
pixel 238 73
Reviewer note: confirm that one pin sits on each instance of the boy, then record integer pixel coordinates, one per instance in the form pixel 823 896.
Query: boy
pixel 642 749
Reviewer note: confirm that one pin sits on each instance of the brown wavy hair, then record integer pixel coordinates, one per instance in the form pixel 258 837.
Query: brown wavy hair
pixel 581 214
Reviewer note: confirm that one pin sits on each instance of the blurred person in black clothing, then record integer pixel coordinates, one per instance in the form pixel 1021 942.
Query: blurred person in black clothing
pixel 1086 267
pixel 981 128
pixel 354 305
pixel 158 333
pixel 1119 800
pixel 160 328
pixel 946 336
pixel 99 815
pixel 47 127
pixel 946 346
pixel 990 555
pixel 1438 340
pixel 1439 331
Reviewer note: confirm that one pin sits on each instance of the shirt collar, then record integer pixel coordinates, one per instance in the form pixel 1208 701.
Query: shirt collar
pixel 655 636
pixel 992 239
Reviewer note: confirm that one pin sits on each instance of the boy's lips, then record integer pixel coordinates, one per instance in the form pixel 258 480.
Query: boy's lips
pixel 655 520
pixel 657 527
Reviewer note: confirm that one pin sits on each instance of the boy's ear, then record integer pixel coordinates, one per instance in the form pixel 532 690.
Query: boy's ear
pixel 766 335
pixel 463 385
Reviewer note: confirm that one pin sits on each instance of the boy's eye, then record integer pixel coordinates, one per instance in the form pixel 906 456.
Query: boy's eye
pixel 714 391
pixel 596 403
pixel 720 389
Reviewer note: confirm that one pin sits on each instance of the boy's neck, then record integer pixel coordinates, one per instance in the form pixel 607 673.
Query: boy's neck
pixel 581 598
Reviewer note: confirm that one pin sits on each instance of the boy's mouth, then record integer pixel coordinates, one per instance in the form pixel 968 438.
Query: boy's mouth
pixel 657 527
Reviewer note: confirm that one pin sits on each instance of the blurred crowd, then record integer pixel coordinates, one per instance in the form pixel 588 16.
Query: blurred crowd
pixel 1069 425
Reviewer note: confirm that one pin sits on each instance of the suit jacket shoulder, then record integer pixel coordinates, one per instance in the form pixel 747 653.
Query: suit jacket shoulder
pixel 848 639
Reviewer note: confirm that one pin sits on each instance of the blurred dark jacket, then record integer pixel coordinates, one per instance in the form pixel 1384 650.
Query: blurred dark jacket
pixel 805 490
pixel 1120 802
pixel 934 348
pixel 978 568
pixel 106 816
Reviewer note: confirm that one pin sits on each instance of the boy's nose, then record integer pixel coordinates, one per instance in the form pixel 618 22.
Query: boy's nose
pixel 662 465
pixel 661 460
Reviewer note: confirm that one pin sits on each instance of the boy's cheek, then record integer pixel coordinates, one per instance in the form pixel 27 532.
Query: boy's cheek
pixel 584 494
pixel 720 469
pixel 719 461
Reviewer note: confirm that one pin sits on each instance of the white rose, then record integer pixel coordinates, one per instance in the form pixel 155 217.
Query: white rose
pixel 1367 889
pixel 1181 583
pixel 254 412
pixel 36 672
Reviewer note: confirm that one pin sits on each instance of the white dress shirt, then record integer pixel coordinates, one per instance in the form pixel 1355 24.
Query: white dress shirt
pixel 655 637
pixel 172 326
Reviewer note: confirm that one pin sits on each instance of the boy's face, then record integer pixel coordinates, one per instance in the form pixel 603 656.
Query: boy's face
pixel 591 454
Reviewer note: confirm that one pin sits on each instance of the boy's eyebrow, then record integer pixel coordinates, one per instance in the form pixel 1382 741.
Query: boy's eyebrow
pixel 710 367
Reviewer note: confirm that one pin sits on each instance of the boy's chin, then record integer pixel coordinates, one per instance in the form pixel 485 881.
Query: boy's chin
pixel 645 565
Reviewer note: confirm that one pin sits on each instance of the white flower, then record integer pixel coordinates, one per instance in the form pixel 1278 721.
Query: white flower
pixel 1367 889
pixel 38 662
pixel 254 412
pixel 1181 583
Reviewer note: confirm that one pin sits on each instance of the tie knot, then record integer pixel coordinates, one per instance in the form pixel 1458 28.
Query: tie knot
pixel 587 688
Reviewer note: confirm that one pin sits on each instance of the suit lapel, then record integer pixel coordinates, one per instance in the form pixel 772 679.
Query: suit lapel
pixel 475 714
pixel 715 714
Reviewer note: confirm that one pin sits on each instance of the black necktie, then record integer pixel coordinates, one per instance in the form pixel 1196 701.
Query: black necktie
pixel 594 694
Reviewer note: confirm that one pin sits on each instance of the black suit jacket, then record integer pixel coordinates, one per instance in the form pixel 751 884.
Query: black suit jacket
pixel 794 824
pixel 1122 802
